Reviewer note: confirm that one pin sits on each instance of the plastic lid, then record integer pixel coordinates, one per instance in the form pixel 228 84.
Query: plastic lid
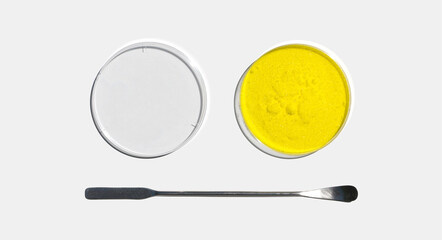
pixel 148 100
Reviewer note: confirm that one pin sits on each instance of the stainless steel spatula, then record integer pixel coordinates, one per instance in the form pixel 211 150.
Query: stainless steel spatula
pixel 338 193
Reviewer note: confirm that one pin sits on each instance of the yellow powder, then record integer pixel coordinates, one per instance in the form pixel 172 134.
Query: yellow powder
pixel 294 99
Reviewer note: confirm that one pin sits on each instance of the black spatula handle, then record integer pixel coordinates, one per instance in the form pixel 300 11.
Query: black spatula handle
pixel 118 193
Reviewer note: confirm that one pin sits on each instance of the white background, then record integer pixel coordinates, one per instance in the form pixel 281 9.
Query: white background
pixel 50 152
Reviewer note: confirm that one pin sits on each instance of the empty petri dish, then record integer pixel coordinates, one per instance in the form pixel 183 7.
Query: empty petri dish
pixel 293 100
pixel 148 100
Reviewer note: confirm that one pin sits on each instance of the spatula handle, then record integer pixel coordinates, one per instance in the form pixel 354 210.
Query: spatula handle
pixel 118 193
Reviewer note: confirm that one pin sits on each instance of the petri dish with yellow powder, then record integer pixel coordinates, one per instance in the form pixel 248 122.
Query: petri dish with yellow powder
pixel 293 100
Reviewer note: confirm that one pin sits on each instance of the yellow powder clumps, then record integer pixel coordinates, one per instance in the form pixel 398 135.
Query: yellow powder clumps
pixel 295 99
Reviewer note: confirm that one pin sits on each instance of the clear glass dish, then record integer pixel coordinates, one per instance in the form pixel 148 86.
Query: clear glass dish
pixel 148 100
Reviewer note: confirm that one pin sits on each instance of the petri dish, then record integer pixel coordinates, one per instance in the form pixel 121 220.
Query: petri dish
pixel 293 100
pixel 148 100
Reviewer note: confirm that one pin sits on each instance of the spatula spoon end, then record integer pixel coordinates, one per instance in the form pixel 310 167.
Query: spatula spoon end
pixel 345 193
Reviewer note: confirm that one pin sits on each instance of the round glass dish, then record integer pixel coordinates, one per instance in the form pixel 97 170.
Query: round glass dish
pixel 283 98
pixel 148 100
